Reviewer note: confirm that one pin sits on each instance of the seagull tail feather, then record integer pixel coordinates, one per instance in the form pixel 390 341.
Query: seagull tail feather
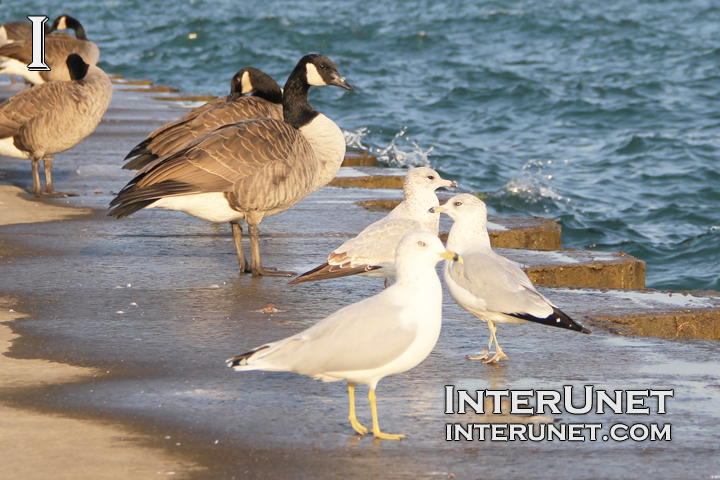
pixel 242 360
pixel 556 319
pixel 327 271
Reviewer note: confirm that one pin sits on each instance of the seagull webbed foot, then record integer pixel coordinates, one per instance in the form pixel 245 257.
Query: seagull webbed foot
pixel 482 355
pixel 388 436
pixel 499 355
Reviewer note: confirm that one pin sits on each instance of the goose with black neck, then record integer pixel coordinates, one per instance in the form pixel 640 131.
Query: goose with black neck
pixel 248 170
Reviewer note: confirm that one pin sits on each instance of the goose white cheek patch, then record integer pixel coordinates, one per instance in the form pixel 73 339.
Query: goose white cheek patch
pixel 313 77
pixel 246 83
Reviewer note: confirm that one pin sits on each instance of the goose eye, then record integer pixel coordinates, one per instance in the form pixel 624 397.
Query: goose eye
pixel 422 244
pixel 431 177
pixel 457 204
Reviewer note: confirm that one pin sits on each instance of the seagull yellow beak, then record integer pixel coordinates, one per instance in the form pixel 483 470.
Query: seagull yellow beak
pixel 439 209
pixel 448 255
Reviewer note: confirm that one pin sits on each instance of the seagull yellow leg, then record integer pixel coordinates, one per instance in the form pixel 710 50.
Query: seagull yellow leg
pixel 376 425
pixel 499 354
pixel 353 419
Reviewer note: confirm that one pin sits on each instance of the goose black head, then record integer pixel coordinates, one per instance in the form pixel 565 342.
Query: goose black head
pixel 320 71
pixel 65 22
pixel 253 81
pixel 77 66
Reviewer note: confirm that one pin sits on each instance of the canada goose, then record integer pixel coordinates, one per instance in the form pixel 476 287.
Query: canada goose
pixel 489 286
pixel 19 31
pixel 253 95
pixel 57 48
pixel 389 333
pixel 250 169
pixel 39 122
pixel 372 252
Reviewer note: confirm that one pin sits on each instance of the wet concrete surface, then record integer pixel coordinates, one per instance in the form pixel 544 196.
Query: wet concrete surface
pixel 159 314
pixel 156 302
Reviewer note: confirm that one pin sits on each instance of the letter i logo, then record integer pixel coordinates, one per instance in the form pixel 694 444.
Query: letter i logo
pixel 38 43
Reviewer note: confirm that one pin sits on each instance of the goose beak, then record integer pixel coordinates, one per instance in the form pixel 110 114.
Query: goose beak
pixel 340 82
pixel 448 255
pixel 439 209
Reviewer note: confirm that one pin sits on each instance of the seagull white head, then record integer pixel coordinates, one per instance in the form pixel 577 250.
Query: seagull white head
pixel 464 207
pixel 425 179
pixel 421 249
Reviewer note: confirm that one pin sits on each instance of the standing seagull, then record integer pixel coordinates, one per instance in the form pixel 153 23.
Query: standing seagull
pixel 253 95
pixel 389 333
pixel 57 48
pixel 248 170
pixel 47 119
pixel 372 252
pixel 489 286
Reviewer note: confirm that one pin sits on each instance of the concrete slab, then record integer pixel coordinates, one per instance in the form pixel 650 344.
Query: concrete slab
pixel 649 313
pixel 579 268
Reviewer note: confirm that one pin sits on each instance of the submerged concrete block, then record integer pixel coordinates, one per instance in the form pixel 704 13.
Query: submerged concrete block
pixel 650 313
pixel 359 158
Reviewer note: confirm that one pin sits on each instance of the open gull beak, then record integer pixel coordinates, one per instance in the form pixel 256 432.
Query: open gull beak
pixel 448 255
pixel 340 82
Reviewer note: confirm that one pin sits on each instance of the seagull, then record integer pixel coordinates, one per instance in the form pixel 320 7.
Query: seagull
pixel 253 95
pixel 372 252
pixel 248 170
pixel 53 117
pixel 489 286
pixel 388 333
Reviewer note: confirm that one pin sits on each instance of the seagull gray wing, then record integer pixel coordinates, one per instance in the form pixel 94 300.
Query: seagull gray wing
pixel 376 244
pixel 495 284
pixel 362 336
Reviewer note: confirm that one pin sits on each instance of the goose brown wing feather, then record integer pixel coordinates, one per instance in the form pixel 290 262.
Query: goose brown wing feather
pixel 32 106
pixel 243 159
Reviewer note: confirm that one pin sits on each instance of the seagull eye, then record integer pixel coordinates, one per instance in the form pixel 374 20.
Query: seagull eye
pixel 457 204
pixel 422 244
pixel 431 177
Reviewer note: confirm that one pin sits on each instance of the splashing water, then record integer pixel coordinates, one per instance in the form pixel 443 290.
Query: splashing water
pixel 532 184
pixel 400 156
pixel 406 155
pixel 353 139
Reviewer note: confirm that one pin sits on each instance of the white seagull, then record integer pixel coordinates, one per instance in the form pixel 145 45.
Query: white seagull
pixel 372 252
pixel 489 286
pixel 389 333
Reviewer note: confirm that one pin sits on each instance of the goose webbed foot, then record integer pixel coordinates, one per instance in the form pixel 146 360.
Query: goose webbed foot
pixel 54 194
pixel 256 263
pixel 271 272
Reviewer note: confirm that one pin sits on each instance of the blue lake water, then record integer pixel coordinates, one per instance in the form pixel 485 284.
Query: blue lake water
pixel 603 115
